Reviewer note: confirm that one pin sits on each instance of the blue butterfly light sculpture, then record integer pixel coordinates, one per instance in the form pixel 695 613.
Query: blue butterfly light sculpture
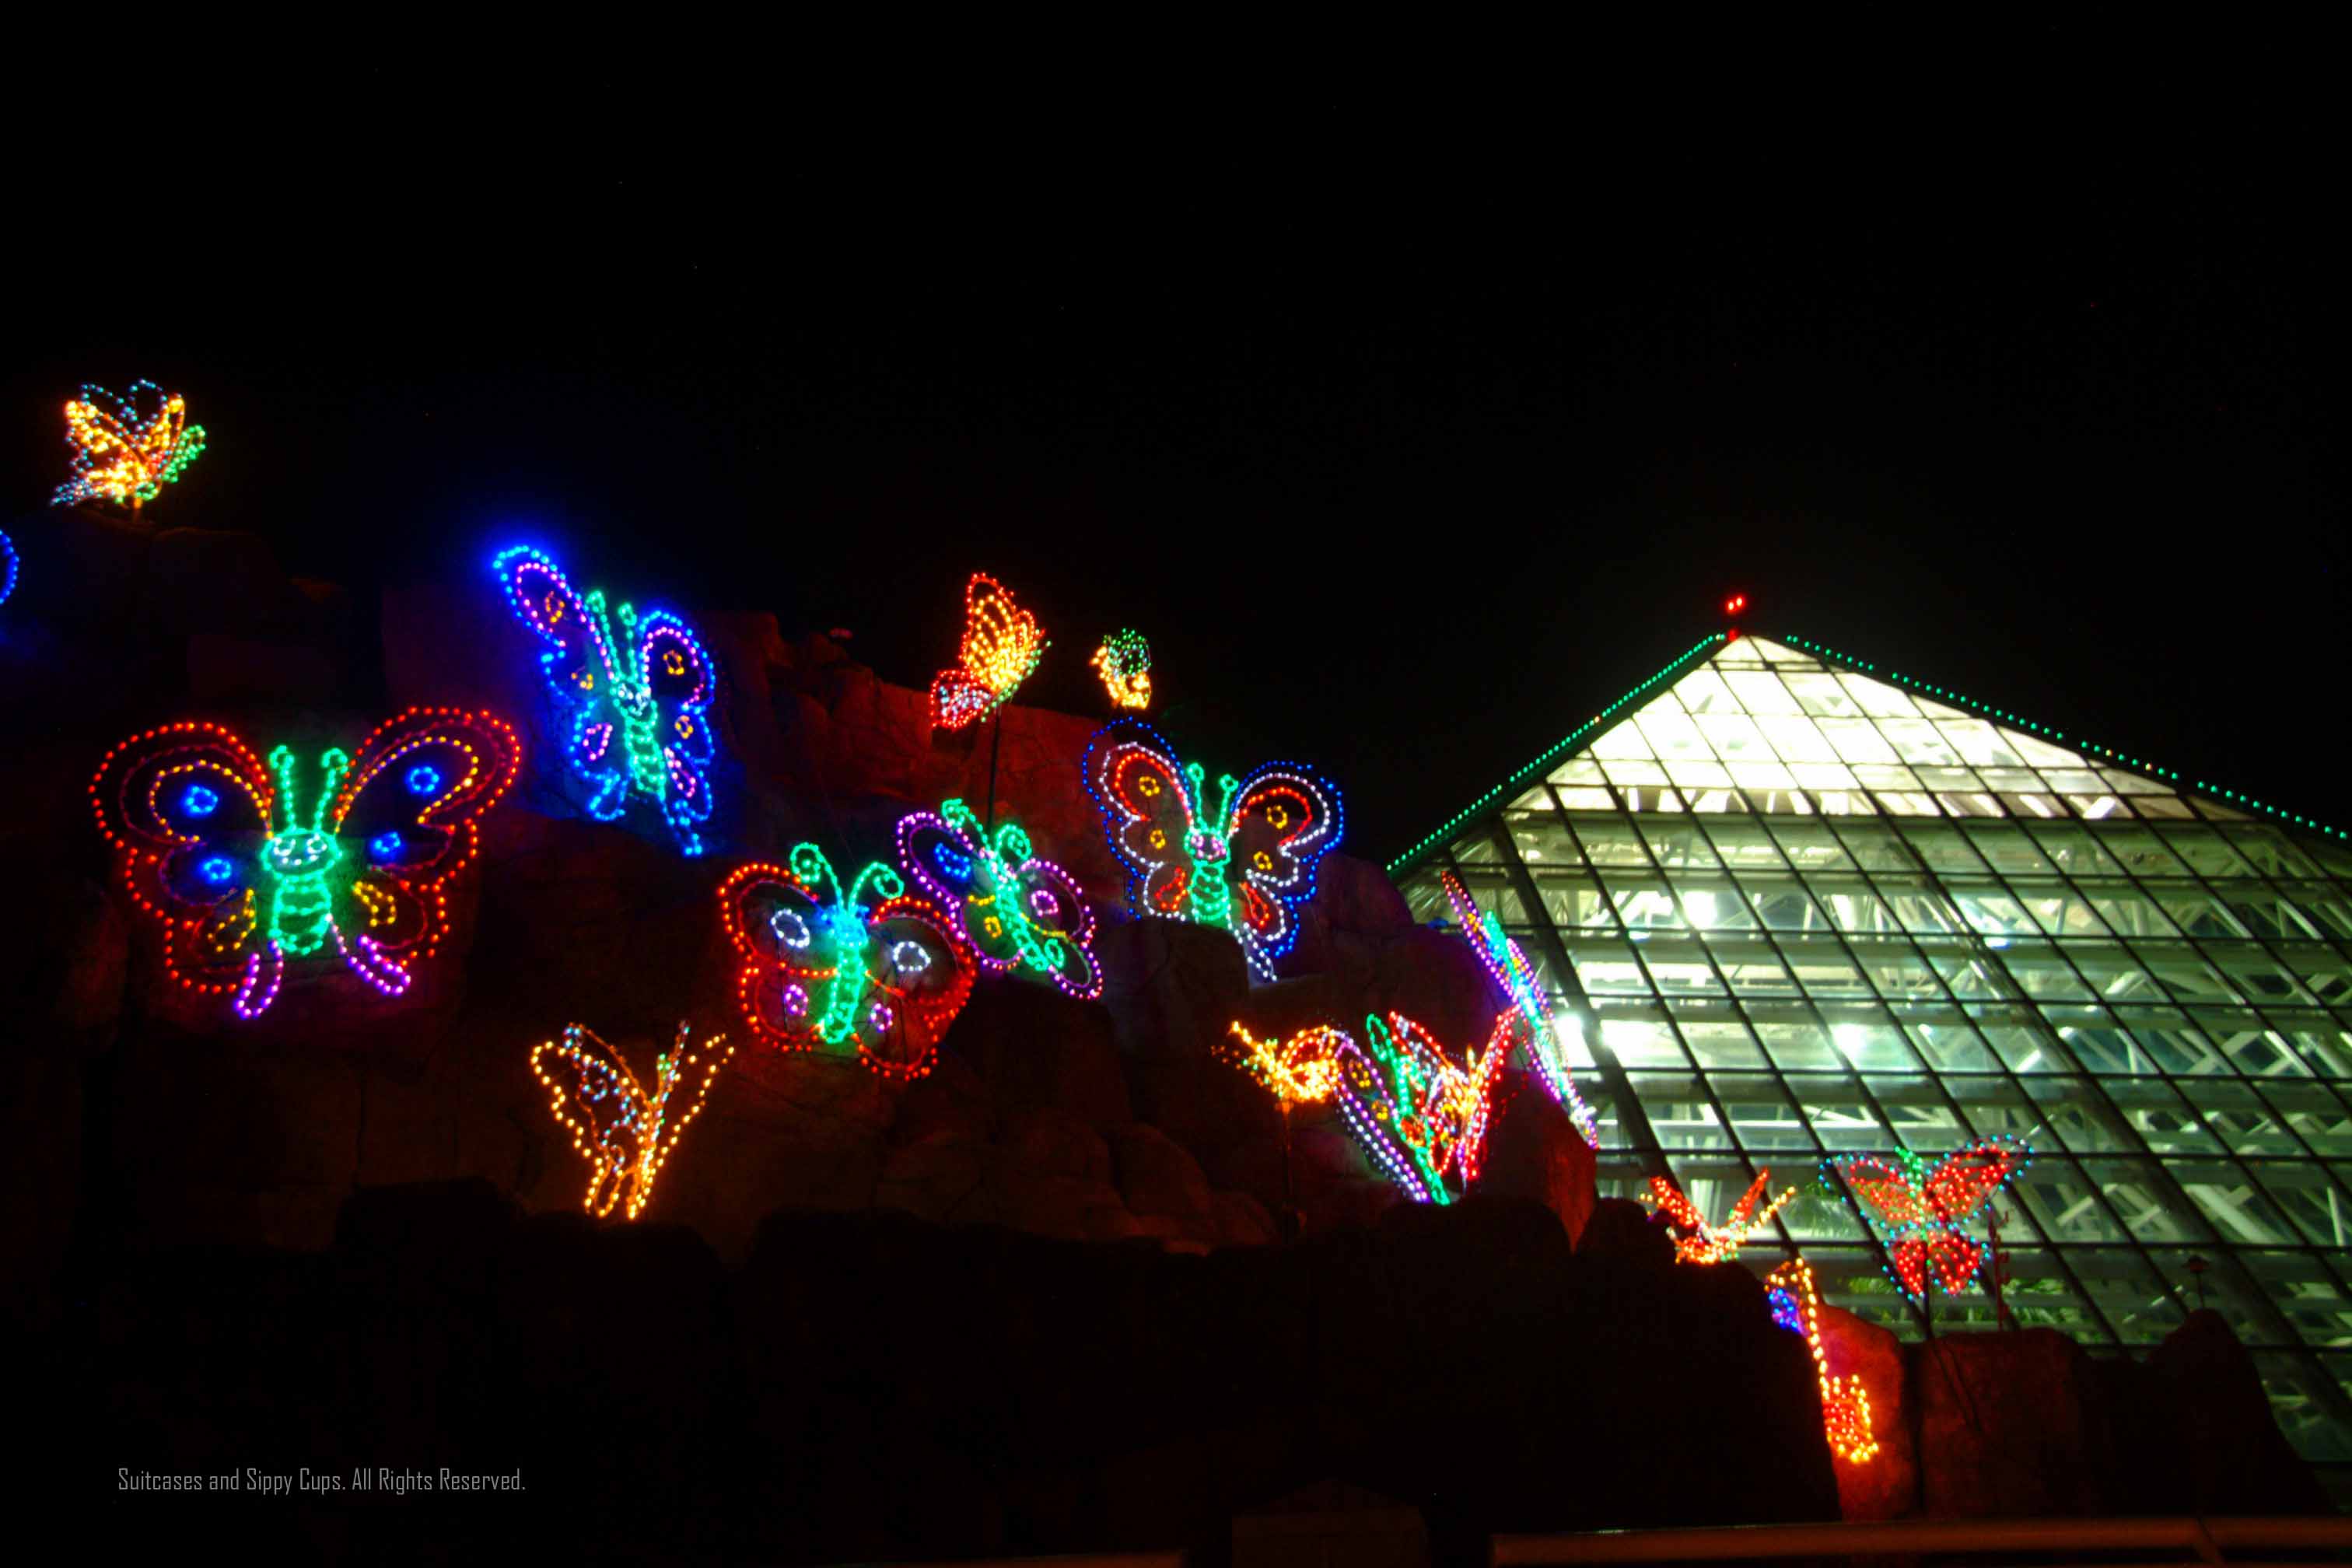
pixel 632 694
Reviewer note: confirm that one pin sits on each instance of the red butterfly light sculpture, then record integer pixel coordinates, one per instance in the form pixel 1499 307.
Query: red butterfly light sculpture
pixel 1924 1210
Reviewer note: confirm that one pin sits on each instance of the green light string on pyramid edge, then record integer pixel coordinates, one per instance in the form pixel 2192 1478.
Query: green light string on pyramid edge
pixel 1944 694
pixel 1476 806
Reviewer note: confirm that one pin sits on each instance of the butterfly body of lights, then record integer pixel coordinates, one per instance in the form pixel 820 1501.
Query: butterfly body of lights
pixel 1020 913
pixel 127 448
pixel 248 884
pixel 1845 1408
pixel 1701 1242
pixel 631 693
pixel 1002 645
pixel 1244 862
pixel 626 1131
pixel 1420 1114
pixel 1924 1210
pixel 1511 971
pixel 1124 662
pixel 860 967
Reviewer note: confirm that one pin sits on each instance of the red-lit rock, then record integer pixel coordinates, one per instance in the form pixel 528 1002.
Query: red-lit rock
pixel 2010 1425
pixel 1886 1485
pixel 1534 1151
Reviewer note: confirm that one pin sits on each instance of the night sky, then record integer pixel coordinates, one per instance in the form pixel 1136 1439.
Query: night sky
pixel 1405 465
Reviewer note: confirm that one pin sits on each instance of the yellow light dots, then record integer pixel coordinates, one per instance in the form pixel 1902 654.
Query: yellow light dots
pixel 1124 662
pixel 1301 1070
pixel 1701 1242
pixel 624 1133
pixel 1845 1406
pixel 126 449
pixel 1002 644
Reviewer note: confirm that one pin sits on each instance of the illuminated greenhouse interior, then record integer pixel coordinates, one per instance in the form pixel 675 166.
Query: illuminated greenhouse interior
pixel 1788 906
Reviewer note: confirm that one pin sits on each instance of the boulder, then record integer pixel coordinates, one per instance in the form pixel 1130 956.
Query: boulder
pixel 1887 1485
pixel 1535 1152
pixel 2010 1425
pixel 2223 1452
pixel 1161 1181
pixel 1036 1049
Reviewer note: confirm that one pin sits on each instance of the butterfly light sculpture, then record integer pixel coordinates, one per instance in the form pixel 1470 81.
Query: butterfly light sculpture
pixel 1124 662
pixel 1301 1070
pixel 860 968
pixel 1243 859
pixel 127 448
pixel 1924 1210
pixel 631 693
pixel 1002 645
pixel 1510 970
pixel 1019 913
pixel 626 1131
pixel 1422 1115
pixel 260 873
pixel 1701 1242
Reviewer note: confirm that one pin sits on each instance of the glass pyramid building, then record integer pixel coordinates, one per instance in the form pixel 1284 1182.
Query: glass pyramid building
pixel 1787 905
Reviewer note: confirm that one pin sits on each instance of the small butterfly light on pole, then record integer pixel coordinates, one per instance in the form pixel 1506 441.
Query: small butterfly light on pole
pixel 1701 1242
pixel 127 448
pixel 626 1130
pixel 1124 662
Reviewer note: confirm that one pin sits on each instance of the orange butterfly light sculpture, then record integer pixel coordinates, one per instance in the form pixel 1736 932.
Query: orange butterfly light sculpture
pixel 127 448
pixel 1301 1070
pixel 626 1131
pixel 1002 645
pixel 1701 1242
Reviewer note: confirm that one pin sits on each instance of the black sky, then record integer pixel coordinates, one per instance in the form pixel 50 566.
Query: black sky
pixel 1404 463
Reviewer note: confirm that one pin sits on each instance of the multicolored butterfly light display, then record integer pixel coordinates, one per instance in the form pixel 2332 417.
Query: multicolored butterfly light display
pixel 257 873
pixel 1019 913
pixel 1420 1114
pixel 1701 1242
pixel 632 694
pixel 1244 861
pixel 1512 972
pixel 864 968
pixel 1301 1070
pixel 1124 662
pixel 1924 1210
pixel 1002 644
pixel 127 448
pixel 626 1131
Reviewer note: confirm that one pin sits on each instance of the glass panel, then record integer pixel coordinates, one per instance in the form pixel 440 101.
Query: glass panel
pixel 1744 844
pixel 2060 911
pixel 1988 907
pixel 2247 1304
pixel 1812 845
pixel 1898 971
pixel 1761 1116
pixel 1542 839
pixel 1923 1118
pixel 1643 1041
pixel 1716 1042
pixel 2298 1392
pixel 2255 974
pixel 1917 907
pixel 1823 968
pixel 2008 850
pixel 1852 904
pixel 2315 1204
pixel 2138 850
pixel 1423 895
pixel 1643 903
pixel 2160 1117
pixel 2182 972
pixel 2127 910
pixel 1679 968
pixel 2128 1293
pixel 1573 900
pixel 1797 1045
pixel 2271 852
pixel 1869 1039
pixel 2314 1114
pixel 2264 913
pixel 1677 844
pixel 1606 968
pixel 1753 967
pixel 1611 842
pixel 1949 1045
pixel 2060 1196
pixel 1781 904
pixel 1839 1117
pixel 2299 1286
pixel 1713 903
pixel 2137 1195
pixel 1944 848
pixel 2074 848
pixel 2078 1116
pixel 1679 1114
pixel 1876 846
pixel 2206 852
pixel 2041 973
pixel 2237 1208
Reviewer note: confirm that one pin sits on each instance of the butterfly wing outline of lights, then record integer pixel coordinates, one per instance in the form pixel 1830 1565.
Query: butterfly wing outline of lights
pixel 632 695
pixel 1512 972
pixel 127 448
pixel 1019 913
pixel 1924 1210
pixel 1245 860
pixel 1420 1116
pixel 253 871
pixel 1003 644
pixel 862 967
pixel 625 1132
pixel 1701 1242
